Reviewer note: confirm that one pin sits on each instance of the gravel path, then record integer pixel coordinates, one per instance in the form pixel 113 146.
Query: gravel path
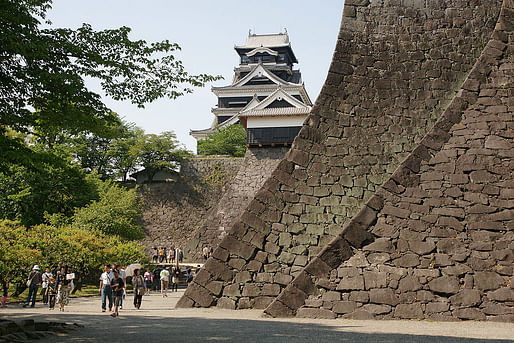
pixel 157 321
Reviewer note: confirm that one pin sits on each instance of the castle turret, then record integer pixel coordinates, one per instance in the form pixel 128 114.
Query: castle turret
pixel 267 96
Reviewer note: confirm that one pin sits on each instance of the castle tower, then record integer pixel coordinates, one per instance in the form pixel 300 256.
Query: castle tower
pixel 267 96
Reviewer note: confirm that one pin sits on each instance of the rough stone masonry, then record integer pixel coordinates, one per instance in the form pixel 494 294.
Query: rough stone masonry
pixel 396 199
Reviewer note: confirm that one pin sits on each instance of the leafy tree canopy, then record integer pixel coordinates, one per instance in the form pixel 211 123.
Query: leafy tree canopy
pixel 42 73
pixel 227 141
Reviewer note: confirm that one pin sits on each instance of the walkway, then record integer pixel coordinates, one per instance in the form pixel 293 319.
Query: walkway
pixel 157 322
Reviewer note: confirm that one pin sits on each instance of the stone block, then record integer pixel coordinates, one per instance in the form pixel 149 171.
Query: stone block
pixel 262 302
pixel 380 245
pixel 486 281
pixel 292 297
pixel 351 283
pixel 315 313
pixel 318 268
pixel 437 307
pixel 407 260
pixel 243 277
pixel 232 291
pixel 421 248
pixel 278 310
pixel 251 290
pixel 342 307
pixel 383 296
pixel 409 311
pixel 374 279
pixel 502 294
pixel 200 295
pixel 409 284
pixel 185 302
pixel 226 304
pixel 271 289
pixel 304 282
pixel 469 313
pixel 254 266
pixel 359 296
pixel 331 296
pixel 466 298
pixel 218 270
pixel 215 287
pixel 282 279
pixel 444 284
pixel 237 247
pixel 376 309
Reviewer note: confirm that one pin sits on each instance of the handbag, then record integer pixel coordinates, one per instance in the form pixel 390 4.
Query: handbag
pixel 29 281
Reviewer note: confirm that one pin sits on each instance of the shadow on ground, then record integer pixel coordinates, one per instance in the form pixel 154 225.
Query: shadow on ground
pixel 152 329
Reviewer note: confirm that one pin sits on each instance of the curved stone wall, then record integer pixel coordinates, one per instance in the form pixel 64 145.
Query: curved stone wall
pixel 396 68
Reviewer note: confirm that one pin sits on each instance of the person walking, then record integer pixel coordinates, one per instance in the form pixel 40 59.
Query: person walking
pixel 205 253
pixel 165 254
pixel 51 292
pixel 45 277
pixel 175 278
pixel 157 279
pixel 161 255
pixel 189 275
pixel 155 255
pixel 139 288
pixel 5 291
pixel 105 287
pixel 63 288
pixel 172 255
pixel 123 276
pixel 180 255
pixel 165 279
pixel 118 288
pixel 148 276
pixel 33 282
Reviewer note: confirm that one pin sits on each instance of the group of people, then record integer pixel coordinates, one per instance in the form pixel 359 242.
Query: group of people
pixel 165 255
pixel 55 286
pixel 207 252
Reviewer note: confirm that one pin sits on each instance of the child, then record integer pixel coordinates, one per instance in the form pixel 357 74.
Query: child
pixel 117 287
pixel 51 293
pixel 5 289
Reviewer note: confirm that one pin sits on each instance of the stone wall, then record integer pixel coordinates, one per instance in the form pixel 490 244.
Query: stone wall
pixel 442 227
pixel 256 168
pixel 396 68
pixel 173 212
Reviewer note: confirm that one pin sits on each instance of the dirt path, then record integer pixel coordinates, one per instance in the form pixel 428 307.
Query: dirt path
pixel 157 321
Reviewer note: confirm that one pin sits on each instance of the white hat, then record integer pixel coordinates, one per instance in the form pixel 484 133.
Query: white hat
pixel 36 267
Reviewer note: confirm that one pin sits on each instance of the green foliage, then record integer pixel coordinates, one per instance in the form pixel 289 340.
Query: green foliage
pixel 45 68
pixel 159 152
pixel 117 212
pixel 216 176
pixel 227 141
pixel 26 194
pixel 84 250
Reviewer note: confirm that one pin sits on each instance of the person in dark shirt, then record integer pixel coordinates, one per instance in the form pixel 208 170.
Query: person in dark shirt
pixel 117 286
pixel 33 281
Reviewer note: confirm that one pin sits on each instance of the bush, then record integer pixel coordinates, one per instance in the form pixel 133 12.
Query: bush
pixel 117 212
pixel 84 250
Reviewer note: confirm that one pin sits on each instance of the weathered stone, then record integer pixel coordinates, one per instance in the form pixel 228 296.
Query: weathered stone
pixel 379 245
pixel 282 279
pixel 466 298
pixel 226 303
pixel 444 284
pixel 360 296
pixel 376 309
pixel 251 290
pixel 409 283
pixel 313 302
pixel 316 313
pixel 407 260
pixel 199 294
pixel 262 302
pixel 374 279
pixel 469 313
pixel 502 294
pixel 383 296
pixel 243 277
pixel 278 309
pixel 351 283
pixel 292 297
pixel 341 307
pixel 421 248
pixel 232 290
pixel 271 289
pixel 218 270
pixel 488 281
pixel 215 287
pixel 331 296
pixel 437 307
pixel 409 311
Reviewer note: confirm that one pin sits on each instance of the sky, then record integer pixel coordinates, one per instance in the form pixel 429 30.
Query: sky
pixel 207 31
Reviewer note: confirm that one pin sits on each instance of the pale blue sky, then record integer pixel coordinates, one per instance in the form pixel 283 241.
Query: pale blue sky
pixel 207 32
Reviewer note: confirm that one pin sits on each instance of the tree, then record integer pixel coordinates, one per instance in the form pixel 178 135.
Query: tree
pixel 159 152
pixel 117 212
pixel 123 151
pixel 44 69
pixel 230 141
